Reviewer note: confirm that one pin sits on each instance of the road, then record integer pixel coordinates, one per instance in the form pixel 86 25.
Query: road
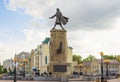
pixel 25 81
pixel 113 80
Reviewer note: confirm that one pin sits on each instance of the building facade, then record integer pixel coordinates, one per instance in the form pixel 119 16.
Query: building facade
pixel 8 64
pixel 94 67
pixel 23 62
pixel 40 56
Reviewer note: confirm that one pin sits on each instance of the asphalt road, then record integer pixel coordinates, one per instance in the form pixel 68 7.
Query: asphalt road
pixel 113 80
pixel 25 81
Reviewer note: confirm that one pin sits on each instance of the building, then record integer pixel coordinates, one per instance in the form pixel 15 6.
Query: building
pixel 94 67
pixel 40 56
pixel 75 67
pixel 23 62
pixel 8 64
pixel 113 66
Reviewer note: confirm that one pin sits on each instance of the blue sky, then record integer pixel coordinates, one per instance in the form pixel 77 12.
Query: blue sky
pixel 93 25
pixel 11 24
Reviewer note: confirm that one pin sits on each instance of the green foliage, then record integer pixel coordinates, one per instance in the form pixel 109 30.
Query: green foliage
pixel 109 57
pixel 89 58
pixel 1 69
pixel 10 72
pixel 5 71
pixel 118 58
pixel 77 58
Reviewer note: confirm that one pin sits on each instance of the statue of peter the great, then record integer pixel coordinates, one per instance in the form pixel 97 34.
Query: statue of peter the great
pixel 60 19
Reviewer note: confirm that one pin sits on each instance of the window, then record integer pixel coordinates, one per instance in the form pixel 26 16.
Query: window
pixel 93 67
pixel 113 67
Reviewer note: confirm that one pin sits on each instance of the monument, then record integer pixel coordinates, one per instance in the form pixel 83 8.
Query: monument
pixel 58 47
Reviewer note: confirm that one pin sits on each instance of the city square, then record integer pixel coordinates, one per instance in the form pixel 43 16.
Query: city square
pixel 114 80
pixel 59 41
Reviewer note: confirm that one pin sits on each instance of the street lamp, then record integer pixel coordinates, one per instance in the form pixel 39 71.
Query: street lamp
pixel 15 60
pixel 107 62
pixel 24 63
pixel 81 65
pixel 102 78
pixel 21 65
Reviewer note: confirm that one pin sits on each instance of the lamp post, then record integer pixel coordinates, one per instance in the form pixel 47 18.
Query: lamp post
pixel 24 64
pixel 21 65
pixel 15 77
pixel 107 62
pixel 81 65
pixel 102 78
pixel 24 69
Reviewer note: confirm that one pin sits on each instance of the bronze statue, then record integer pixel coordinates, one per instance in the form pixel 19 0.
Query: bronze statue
pixel 60 19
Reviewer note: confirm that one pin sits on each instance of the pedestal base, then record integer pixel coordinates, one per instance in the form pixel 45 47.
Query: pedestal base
pixel 59 66
pixel 60 69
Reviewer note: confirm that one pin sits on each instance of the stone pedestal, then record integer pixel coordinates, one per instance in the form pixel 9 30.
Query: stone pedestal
pixel 58 53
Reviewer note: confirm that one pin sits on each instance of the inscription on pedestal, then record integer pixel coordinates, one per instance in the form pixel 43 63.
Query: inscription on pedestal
pixel 59 68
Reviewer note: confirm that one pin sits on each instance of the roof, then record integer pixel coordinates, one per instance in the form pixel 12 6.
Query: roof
pixel 70 47
pixel 25 54
pixel 46 40
pixel 98 60
pixel 112 61
pixel 87 63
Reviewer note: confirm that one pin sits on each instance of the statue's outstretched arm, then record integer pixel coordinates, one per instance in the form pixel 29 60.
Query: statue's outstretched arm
pixel 52 16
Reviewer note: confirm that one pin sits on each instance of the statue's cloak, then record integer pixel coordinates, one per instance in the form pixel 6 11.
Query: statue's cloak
pixel 64 20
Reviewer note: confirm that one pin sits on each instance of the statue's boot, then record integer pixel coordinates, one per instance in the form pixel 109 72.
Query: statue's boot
pixel 62 28
pixel 53 28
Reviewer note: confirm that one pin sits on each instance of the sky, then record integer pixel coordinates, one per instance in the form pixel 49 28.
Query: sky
pixel 93 25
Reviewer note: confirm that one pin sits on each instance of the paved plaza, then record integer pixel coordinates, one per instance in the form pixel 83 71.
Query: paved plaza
pixel 25 81
pixel 113 80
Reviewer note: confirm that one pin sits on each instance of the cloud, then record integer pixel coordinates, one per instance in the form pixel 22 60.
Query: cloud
pixel 33 8
pixel 32 38
pixel 1 47
pixel 4 52
pixel 35 31
pixel 93 25
pixel 33 35
pixel 83 14
pixel 92 42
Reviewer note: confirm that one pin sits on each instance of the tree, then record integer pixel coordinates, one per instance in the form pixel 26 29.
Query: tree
pixel 10 72
pixel 77 58
pixel 1 69
pixel 109 57
pixel 5 70
pixel 118 58
pixel 89 58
